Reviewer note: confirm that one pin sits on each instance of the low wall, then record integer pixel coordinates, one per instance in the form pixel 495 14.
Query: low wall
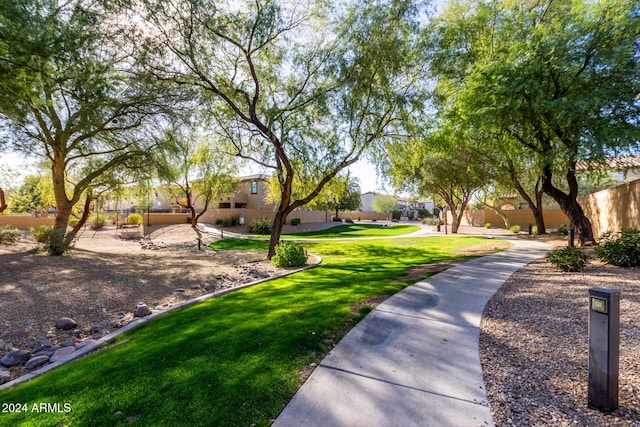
pixel 25 221
pixel 553 218
pixel 613 209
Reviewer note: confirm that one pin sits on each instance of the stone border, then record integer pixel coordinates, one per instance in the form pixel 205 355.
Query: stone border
pixel 92 344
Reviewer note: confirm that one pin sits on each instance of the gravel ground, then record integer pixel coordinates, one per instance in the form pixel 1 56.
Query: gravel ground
pixel 534 347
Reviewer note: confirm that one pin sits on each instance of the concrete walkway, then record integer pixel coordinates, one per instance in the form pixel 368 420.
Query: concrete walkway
pixel 415 359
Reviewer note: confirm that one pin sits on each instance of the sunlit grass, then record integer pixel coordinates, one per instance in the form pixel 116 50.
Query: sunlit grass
pixel 232 360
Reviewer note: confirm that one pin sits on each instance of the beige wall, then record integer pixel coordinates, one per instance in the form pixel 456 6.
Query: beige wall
pixel 25 221
pixel 613 209
pixel 553 218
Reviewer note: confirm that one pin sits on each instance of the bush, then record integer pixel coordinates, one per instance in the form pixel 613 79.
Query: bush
pixel 515 229
pixel 429 221
pixel 487 225
pixel 97 221
pixel 563 230
pixel 621 248
pixel 260 226
pixel 73 221
pixel 39 233
pixel 231 221
pixel 289 254
pixel 568 259
pixel 534 229
pixel 134 219
pixel 295 221
pixel 8 234
pixel 348 221
pixel 336 219
pixel 54 241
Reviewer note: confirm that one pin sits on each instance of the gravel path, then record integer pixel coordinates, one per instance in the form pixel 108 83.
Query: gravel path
pixel 534 347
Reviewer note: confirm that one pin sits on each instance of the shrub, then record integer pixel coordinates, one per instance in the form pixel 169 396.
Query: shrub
pixel 134 219
pixel 73 221
pixel 336 218
pixel 55 241
pixel 534 229
pixel 348 221
pixel 621 248
pixel 568 259
pixel 515 229
pixel 487 225
pixel 295 221
pixel 97 221
pixel 8 234
pixel 289 254
pixel 230 221
pixel 563 230
pixel 429 221
pixel 260 226
pixel 39 233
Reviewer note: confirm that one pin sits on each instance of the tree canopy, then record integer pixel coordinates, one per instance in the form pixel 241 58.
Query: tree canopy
pixel 302 92
pixel 562 78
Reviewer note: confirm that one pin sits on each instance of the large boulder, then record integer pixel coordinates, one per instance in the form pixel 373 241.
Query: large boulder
pixel 36 361
pixel 66 323
pixel 141 310
pixel 14 358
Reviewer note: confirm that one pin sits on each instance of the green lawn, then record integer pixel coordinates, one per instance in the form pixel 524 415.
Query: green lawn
pixel 355 230
pixel 232 360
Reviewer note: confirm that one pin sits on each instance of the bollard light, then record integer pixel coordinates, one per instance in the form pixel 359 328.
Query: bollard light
pixel 604 348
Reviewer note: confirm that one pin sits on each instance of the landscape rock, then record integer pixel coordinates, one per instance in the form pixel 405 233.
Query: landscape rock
pixel 141 310
pixel 68 342
pixel 62 352
pixel 85 343
pixel 14 358
pixel 5 376
pixel 66 323
pixel 4 346
pixel 36 361
pixel 95 329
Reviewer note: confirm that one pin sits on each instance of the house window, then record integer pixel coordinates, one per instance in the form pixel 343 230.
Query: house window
pixel 254 187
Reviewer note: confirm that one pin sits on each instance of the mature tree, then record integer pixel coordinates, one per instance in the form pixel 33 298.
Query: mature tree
pixel 35 195
pixel 441 163
pixel 295 92
pixel 345 196
pixel 383 203
pixel 68 94
pixel 561 77
pixel 199 172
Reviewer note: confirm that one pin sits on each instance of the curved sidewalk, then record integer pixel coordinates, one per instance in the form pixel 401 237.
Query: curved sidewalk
pixel 415 359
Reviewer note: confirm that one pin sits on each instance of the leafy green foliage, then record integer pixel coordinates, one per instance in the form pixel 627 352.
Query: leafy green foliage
pixel 563 230
pixel 295 221
pixel 260 226
pixel 534 229
pixel 568 259
pixel 134 219
pixel 230 221
pixel 487 225
pixel 39 234
pixel 289 254
pixel 8 234
pixel 621 248
pixel 97 221
pixel 515 229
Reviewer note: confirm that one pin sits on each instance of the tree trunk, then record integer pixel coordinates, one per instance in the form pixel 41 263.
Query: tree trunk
pixel 278 223
pixel 570 206
pixel 3 204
